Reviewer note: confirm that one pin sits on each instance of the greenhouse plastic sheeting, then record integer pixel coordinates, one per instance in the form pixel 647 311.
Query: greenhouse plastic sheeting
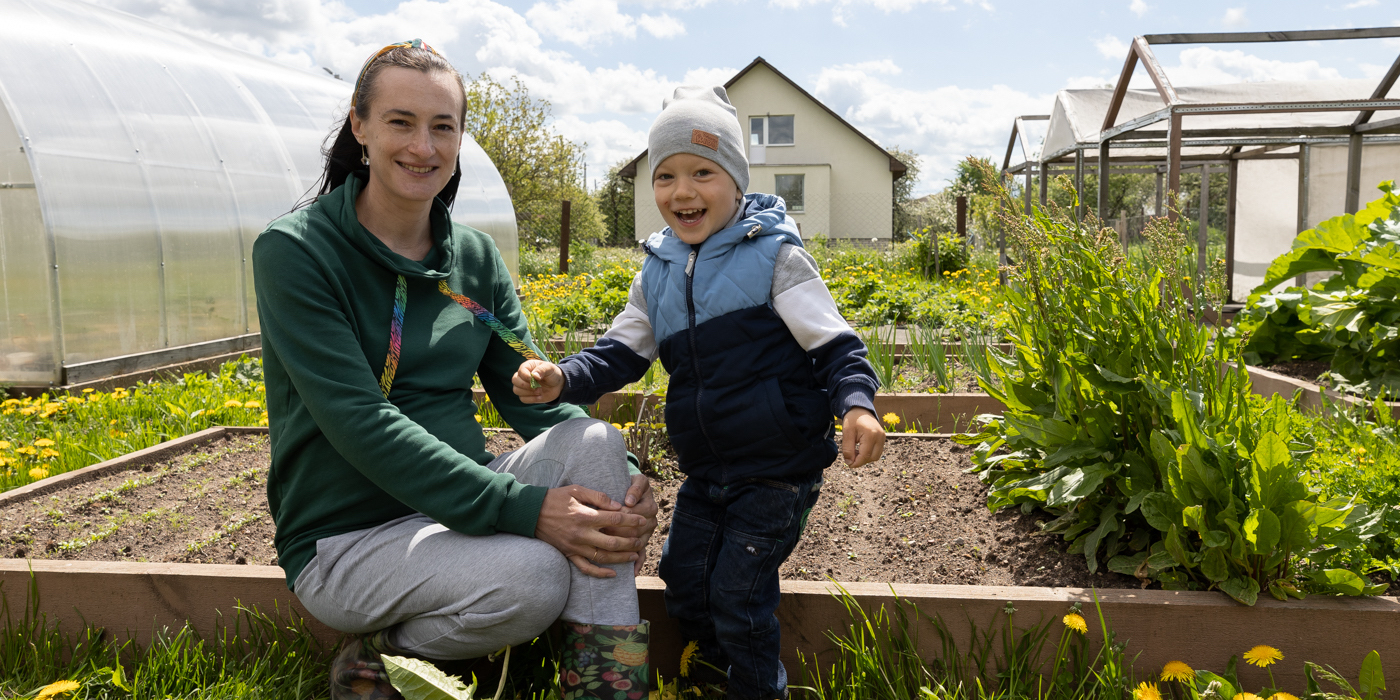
pixel 139 165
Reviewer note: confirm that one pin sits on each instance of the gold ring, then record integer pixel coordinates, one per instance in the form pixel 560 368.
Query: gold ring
pixel 595 554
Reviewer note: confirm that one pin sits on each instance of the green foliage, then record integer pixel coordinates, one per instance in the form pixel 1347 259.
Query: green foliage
pixel 878 656
pixel 419 680
pixel 929 253
pixel 903 219
pixel 616 201
pixel 1357 456
pixel 1352 318
pixel 46 435
pixel 1125 420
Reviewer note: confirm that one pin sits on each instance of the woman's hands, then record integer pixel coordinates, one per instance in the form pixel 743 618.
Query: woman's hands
pixel 537 381
pixel 639 500
pixel 862 438
pixel 576 521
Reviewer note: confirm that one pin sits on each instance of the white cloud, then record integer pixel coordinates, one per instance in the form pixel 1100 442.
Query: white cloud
pixel 1363 3
pixel 1139 8
pixel 609 141
pixel 1203 65
pixel 1234 18
pixel 840 8
pixel 581 22
pixel 1112 47
pixel 661 26
pixel 942 124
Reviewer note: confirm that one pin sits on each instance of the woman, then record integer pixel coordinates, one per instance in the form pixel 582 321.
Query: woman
pixel 393 521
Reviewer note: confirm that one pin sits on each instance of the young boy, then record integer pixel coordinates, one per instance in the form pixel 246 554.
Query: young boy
pixel 760 360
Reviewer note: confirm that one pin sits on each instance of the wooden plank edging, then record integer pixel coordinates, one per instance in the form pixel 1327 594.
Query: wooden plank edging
pixel 1201 629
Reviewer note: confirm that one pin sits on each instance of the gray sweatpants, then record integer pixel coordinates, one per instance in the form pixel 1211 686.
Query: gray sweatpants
pixel 452 596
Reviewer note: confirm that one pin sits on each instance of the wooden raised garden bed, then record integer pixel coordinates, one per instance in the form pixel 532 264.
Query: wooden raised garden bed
pixel 1202 629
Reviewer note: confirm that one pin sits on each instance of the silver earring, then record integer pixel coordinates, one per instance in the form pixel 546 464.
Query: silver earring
pixel 364 157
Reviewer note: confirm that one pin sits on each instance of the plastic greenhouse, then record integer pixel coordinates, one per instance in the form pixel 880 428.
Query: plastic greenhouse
pixel 1295 153
pixel 137 165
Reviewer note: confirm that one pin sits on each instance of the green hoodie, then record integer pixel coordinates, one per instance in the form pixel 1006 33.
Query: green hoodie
pixel 344 457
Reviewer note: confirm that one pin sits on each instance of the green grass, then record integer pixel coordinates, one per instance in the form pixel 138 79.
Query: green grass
pixel 51 434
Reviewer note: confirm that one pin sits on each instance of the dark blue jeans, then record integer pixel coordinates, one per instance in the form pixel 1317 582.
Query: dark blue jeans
pixel 720 564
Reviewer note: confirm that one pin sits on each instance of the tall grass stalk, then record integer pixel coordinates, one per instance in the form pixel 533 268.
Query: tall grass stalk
pixel 926 349
pixel 881 347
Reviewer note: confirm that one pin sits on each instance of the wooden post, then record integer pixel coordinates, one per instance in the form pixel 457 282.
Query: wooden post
pixel 564 238
pixel 1203 224
pixel 1174 161
pixel 962 218
pixel 1304 164
pixel 1044 183
pixel 1026 194
pixel 1079 184
pixel 1230 232
pixel 1353 201
pixel 1157 210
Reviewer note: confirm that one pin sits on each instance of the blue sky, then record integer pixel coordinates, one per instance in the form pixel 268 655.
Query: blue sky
pixel 943 78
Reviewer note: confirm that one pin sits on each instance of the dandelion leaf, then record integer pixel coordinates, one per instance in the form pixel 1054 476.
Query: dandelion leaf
pixel 1243 590
pixel 1372 679
pixel 420 680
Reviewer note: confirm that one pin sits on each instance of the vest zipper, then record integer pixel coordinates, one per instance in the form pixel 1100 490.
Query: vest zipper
pixel 694 349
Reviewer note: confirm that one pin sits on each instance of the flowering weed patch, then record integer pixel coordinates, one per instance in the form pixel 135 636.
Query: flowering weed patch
pixel 46 435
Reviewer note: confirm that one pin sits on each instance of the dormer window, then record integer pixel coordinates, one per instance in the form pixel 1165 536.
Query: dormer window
pixel 771 130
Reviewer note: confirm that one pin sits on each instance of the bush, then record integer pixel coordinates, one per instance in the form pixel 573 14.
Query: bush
pixel 1353 318
pixel 1125 420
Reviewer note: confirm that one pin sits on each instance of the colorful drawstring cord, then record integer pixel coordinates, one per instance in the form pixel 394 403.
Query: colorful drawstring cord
pixel 391 362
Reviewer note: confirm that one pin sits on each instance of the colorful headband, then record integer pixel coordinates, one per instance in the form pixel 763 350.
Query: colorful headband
pixel 411 43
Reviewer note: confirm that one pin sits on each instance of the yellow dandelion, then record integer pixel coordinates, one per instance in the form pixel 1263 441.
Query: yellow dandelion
pixel 48 453
pixel 1177 671
pixel 43 442
pixel 1076 622
pixel 26 451
pixel 687 655
pixel 1147 691
pixel 88 391
pixel 252 404
pixel 233 403
pixel 53 690
pixel 890 419
pixel 1283 696
pixel 38 473
pixel 1263 655
pixel 5 445
pixel 618 426
pixel 1247 696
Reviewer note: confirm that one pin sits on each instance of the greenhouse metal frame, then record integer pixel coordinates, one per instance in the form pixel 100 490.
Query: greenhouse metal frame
pixel 1253 122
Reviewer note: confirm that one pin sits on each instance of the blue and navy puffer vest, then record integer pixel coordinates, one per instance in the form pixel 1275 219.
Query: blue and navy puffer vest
pixel 744 401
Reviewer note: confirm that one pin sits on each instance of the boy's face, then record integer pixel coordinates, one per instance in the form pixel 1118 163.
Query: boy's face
pixel 696 197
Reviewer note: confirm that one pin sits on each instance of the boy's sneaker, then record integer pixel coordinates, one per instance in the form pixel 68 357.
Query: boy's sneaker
pixel 358 670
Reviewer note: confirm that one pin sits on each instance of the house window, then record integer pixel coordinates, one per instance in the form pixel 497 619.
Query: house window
pixel 771 131
pixel 790 188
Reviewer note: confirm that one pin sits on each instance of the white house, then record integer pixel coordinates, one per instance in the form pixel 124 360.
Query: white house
pixel 837 181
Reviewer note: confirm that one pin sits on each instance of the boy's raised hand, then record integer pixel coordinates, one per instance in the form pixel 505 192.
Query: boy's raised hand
pixel 537 381
pixel 862 438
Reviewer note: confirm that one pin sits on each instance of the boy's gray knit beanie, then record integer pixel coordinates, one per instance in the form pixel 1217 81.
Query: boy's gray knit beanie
pixel 700 121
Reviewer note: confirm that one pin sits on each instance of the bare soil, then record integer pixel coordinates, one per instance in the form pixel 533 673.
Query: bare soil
pixel 1306 370
pixel 914 516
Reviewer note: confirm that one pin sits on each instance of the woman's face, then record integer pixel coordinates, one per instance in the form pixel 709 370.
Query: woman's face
pixel 412 133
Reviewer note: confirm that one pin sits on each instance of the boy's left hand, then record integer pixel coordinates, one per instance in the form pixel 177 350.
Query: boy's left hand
pixel 862 438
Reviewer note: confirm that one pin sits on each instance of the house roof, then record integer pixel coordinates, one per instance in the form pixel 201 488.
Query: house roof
pixel 896 166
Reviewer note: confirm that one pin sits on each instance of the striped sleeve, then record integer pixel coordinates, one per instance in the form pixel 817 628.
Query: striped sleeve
pixel 801 299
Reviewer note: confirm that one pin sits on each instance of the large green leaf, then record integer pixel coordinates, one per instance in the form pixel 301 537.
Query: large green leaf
pixel 1160 510
pixel 1261 530
pixel 1294 263
pixel 1108 521
pixel 1215 565
pixel 1372 679
pixel 1339 581
pixel 419 680
pixel 1047 432
pixel 1244 590
pixel 1077 484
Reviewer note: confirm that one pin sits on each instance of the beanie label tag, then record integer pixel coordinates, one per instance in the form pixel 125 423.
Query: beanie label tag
pixel 704 138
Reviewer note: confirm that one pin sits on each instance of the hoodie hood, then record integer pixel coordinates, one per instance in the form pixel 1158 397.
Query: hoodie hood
pixel 760 215
pixel 340 205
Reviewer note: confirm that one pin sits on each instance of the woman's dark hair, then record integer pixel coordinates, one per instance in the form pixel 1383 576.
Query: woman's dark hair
pixel 343 152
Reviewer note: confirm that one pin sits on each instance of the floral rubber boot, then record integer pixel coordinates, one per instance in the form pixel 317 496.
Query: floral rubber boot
pixel 358 670
pixel 605 662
